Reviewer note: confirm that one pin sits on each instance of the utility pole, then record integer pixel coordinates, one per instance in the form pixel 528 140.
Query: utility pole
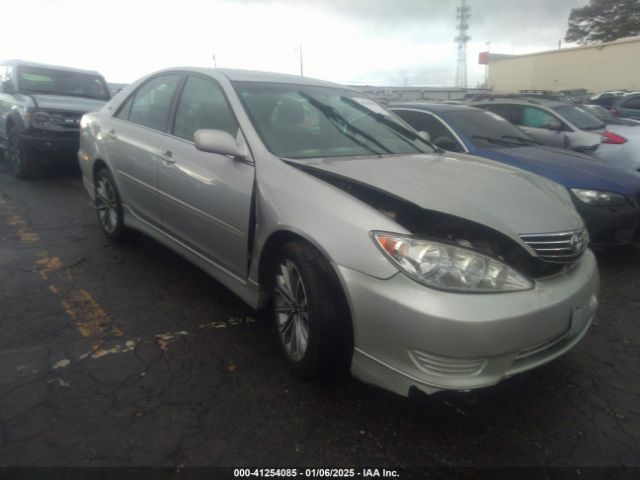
pixel 463 15
pixel 215 63
pixel 301 71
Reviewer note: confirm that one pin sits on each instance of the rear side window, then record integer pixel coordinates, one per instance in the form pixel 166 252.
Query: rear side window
pixel 149 106
pixel 633 103
pixel 536 118
pixel 125 109
pixel 513 113
pixel 203 105
pixel 424 122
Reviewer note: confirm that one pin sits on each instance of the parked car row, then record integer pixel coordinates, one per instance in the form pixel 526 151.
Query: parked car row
pixel 426 247
pixel 606 197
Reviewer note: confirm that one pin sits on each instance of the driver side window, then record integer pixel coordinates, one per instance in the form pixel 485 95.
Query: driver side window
pixel 203 105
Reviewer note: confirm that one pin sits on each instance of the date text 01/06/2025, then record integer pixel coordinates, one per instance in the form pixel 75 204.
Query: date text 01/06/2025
pixel 316 472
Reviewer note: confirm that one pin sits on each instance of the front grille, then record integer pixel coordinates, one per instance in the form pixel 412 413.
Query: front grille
pixel 65 119
pixel 437 365
pixel 561 247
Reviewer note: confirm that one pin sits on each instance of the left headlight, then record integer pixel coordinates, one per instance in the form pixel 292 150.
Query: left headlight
pixel 596 197
pixel 448 267
pixel 40 119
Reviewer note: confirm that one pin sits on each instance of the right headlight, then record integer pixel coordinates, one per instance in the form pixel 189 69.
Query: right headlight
pixel 597 197
pixel 448 267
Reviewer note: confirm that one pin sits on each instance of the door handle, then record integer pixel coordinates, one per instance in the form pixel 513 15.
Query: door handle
pixel 112 134
pixel 167 157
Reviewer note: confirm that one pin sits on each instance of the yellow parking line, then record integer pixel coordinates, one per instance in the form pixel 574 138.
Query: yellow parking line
pixel 25 234
pixel 89 317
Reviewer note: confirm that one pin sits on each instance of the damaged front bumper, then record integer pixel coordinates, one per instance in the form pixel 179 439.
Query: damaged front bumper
pixel 407 335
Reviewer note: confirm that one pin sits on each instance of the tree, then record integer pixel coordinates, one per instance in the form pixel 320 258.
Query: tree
pixel 604 21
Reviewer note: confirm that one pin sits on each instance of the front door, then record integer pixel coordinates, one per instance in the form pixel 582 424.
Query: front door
pixel 206 198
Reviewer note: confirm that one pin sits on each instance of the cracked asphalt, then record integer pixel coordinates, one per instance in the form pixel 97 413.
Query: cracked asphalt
pixel 130 356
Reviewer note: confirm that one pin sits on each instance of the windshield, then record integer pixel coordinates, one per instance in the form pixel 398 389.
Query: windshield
pixel 579 117
pixel 61 82
pixel 300 121
pixel 488 130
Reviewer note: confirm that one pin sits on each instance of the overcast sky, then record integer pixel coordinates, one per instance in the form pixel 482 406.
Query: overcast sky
pixel 378 42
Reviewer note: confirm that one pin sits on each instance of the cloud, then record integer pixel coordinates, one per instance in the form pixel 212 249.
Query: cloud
pixel 536 21
pixel 351 41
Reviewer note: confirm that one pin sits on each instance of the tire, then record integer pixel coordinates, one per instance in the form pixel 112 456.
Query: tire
pixel 20 159
pixel 311 315
pixel 109 207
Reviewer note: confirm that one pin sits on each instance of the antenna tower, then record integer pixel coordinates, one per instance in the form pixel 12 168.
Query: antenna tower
pixel 463 15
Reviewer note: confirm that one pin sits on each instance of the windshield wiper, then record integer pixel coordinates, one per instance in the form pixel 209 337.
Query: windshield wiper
pixel 497 141
pixel 395 126
pixel 338 120
pixel 526 140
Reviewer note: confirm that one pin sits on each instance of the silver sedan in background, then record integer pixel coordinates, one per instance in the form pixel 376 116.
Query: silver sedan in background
pixel 375 251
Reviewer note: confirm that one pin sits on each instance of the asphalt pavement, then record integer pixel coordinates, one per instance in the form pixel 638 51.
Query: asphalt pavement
pixel 130 356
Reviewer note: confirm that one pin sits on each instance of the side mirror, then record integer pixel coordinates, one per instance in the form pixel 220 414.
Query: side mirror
pixel 218 141
pixel 555 125
pixel 425 135
pixel 7 87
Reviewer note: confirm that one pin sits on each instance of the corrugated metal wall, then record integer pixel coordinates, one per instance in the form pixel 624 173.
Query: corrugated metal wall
pixel 614 65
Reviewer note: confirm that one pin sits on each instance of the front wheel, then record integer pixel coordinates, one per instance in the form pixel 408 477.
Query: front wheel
pixel 311 315
pixel 20 159
pixel 109 207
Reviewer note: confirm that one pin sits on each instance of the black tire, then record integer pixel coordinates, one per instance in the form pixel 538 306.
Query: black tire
pixel 20 159
pixel 109 207
pixel 329 338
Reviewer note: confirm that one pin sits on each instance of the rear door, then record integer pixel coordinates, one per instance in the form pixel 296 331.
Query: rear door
pixel 135 137
pixel 206 198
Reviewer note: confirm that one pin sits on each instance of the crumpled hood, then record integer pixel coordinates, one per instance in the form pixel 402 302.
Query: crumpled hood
pixel 67 104
pixel 570 169
pixel 506 199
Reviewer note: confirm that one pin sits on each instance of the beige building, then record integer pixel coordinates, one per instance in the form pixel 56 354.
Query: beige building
pixel 607 66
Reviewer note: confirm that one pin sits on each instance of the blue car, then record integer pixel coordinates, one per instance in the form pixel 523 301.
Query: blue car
pixel 608 198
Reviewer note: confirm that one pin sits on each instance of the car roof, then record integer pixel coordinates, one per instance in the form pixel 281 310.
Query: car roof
pixel 431 106
pixel 526 101
pixel 44 65
pixel 237 75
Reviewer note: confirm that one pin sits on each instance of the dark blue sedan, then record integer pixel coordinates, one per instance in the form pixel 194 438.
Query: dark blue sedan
pixel 608 198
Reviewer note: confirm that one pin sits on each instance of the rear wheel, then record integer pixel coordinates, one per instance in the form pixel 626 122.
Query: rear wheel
pixel 109 207
pixel 311 316
pixel 20 159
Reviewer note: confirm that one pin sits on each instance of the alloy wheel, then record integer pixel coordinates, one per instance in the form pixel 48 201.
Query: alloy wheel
pixel 107 205
pixel 291 308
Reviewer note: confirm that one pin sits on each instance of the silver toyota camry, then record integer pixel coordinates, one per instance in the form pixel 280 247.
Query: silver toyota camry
pixel 376 252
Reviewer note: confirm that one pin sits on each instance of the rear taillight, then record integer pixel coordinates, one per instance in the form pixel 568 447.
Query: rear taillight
pixel 612 138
